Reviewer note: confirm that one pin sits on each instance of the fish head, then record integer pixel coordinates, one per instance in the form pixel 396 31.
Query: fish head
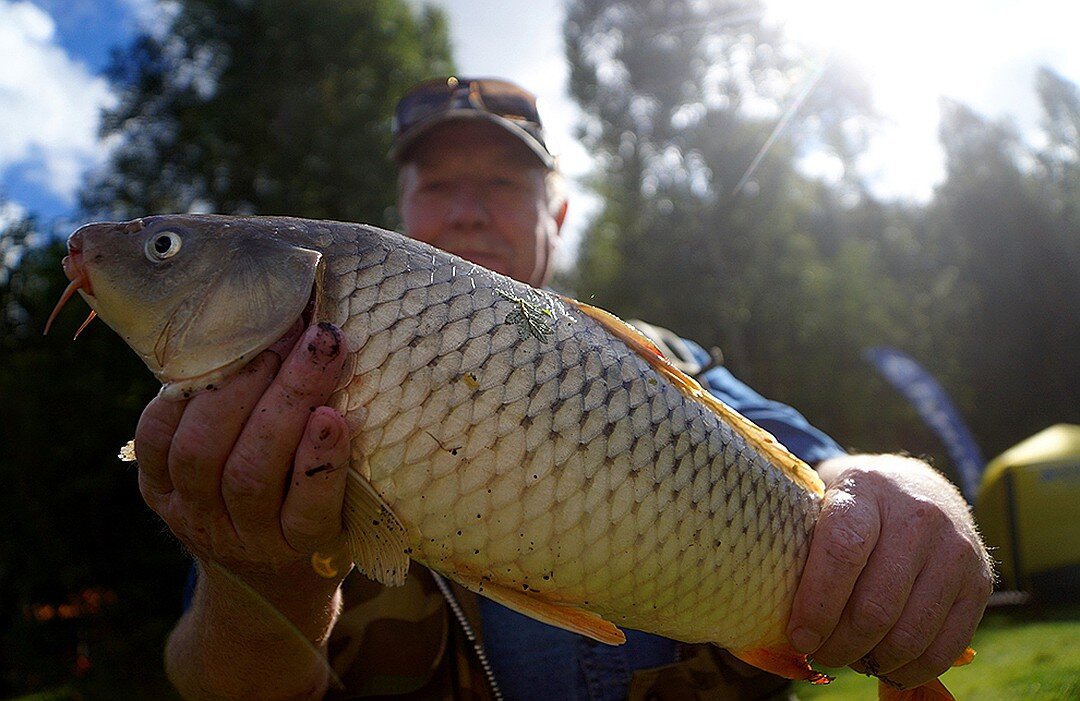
pixel 196 296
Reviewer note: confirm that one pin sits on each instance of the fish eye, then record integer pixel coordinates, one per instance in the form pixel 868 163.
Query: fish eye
pixel 162 246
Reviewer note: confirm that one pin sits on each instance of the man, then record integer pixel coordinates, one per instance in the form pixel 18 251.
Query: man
pixel 895 583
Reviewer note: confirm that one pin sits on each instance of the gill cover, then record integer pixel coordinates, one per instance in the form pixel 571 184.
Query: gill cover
pixel 259 291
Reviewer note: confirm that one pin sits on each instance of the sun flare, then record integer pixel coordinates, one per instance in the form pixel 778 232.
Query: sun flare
pixel 912 54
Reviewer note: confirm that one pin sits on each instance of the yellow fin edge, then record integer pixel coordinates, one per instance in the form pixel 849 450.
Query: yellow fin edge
pixel 563 616
pixel 763 441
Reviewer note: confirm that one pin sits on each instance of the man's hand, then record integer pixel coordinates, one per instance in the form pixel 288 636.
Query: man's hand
pixel 252 475
pixel 897 577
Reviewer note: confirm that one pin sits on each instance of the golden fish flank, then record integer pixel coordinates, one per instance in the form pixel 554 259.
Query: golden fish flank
pixel 535 449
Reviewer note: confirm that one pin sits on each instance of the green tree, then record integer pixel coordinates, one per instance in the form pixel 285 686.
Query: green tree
pixel 242 106
pixel 267 106
pixel 787 275
pixel 1004 229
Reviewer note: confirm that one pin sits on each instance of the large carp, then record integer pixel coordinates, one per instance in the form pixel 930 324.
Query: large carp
pixel 532 448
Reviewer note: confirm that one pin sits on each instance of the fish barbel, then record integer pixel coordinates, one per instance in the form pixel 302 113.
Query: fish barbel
pixel 535 449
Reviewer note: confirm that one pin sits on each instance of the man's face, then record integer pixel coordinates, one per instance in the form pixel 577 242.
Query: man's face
pixel 473 189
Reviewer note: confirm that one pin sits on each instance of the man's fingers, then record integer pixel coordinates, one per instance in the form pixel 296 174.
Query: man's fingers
pixel 879 598
pixel 311 516
pixel 254 481
pixel 152 439
pixel 208 430
pixel 954 637
pixel 843 539
pixel 924 615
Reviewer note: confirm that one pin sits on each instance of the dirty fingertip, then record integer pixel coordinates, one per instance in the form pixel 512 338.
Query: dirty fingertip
pixel 325 427
pixel 324 342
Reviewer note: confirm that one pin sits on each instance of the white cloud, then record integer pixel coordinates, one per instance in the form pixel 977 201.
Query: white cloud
pixel 50 105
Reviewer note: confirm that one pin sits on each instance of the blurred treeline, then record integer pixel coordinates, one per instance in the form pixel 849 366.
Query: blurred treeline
pixel 271 106
pixel 792 277
pixel 282 107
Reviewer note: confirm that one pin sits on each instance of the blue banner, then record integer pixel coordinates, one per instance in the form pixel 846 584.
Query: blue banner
pixel 936 409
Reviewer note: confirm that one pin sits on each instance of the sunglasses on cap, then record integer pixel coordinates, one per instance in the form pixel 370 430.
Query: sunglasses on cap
pixel 442 99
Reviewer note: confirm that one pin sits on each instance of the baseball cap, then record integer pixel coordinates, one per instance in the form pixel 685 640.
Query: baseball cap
pixel 440 100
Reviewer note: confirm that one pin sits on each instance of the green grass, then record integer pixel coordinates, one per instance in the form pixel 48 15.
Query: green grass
pixel 1022 654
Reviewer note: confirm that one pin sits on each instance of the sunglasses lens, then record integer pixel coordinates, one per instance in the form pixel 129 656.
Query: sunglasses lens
pixel 494 96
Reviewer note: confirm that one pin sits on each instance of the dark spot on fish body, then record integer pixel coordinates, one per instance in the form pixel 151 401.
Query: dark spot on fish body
pixel 210 388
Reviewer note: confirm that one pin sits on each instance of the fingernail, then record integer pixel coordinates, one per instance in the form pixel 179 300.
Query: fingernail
pixel 322 430
pixel 805 640
pixel 324 342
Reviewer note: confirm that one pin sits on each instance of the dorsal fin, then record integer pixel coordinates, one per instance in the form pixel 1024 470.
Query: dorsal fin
pixel 763 441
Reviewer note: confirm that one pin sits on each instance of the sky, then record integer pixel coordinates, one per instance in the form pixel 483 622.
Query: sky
pixel 983 53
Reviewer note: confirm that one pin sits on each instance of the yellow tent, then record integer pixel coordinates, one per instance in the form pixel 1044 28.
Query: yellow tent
pixel 1028 508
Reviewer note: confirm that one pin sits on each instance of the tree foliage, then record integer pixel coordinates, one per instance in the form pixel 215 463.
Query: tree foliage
pixel 1007 230
pixel 698 115
pixel 241 106
pixel 270 107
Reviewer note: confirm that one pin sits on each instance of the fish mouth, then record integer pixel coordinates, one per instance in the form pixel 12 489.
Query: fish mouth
pixel 80 280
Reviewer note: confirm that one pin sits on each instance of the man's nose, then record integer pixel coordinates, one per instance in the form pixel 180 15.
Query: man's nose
pixel 468 207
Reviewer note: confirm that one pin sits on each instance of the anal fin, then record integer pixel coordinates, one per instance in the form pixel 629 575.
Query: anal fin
pixel 563 616
pixel 784 661
pixel 377 540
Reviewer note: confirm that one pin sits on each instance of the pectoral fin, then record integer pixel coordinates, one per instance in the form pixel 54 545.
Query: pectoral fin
pixel 562 616
pixel 377 540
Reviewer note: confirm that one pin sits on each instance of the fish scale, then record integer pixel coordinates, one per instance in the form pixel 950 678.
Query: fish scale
pixel 535 449
pixel 590 546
